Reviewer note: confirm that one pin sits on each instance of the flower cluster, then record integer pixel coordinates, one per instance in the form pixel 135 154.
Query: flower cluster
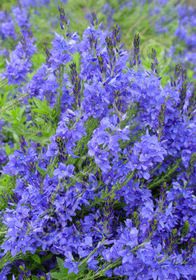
pixel 113 193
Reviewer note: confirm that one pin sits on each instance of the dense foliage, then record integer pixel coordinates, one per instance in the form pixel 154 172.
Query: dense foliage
pixel 98 141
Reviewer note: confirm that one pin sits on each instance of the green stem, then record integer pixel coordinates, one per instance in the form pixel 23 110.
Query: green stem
pixel 162 180
pixel 101 272
pixel 91 253
pixel 118 187
pixel 11 103
pixel 160 130
pixel 61 92
pixel 163 259
pixel 77 119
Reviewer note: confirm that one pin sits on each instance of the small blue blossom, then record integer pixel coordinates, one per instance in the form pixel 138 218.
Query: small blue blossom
pixel 64 171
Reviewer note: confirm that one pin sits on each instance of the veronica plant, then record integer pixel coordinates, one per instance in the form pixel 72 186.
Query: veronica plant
pixel 106 186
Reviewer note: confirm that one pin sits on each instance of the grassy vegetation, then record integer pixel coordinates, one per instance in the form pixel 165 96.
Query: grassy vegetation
pixel 45 22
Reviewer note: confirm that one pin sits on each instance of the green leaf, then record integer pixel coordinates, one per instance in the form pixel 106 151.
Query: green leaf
pixel 16 138
pixel 37 60
pixel 34 277
pixel 61 267
pixel 3 99
pixel 7 149
pixel 43 107
pixel 190 73
pixel 147 64
pixel 164 80
pixel 76 58
pixel 36 258
pixel 186 227
pixel 41 170
pixel 58 275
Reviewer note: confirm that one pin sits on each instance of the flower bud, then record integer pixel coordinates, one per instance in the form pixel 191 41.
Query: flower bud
pixel 93 19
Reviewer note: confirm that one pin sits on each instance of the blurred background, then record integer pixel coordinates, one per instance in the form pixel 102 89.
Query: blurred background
pixel 192 2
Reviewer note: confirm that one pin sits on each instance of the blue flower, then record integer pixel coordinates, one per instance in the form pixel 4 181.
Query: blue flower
pixel 64 171
pixel 129 237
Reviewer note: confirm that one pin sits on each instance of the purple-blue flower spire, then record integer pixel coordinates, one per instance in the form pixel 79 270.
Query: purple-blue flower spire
pixel 116 32
pixel 76 81
pixel 111 49
pixel 63 18
pixel 102 64
pixel 93 18
pixel 136 57
pixel 23 144
pixel 155 63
